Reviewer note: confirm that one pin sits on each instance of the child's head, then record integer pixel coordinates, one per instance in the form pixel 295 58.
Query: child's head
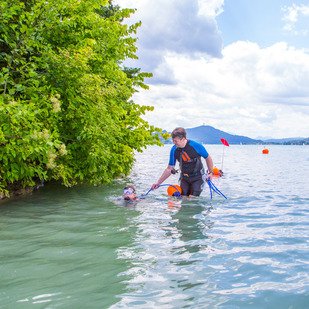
pixel 129 193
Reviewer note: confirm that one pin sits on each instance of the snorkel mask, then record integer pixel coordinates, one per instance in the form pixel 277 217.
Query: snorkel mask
pixel 128 191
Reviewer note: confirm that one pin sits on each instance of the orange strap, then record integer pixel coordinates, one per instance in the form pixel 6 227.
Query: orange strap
pixel 185 156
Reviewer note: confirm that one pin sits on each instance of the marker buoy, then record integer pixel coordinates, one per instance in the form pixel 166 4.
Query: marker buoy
pixel 216 171
pixel 174 190
pixel 265 151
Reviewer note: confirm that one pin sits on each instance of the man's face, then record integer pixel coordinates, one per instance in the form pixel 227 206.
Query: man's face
pixel 179 142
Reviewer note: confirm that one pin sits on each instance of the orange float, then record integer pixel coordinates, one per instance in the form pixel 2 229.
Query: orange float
pixel 217 173
pixel 215 170
pixel 265 151
pixel 172 191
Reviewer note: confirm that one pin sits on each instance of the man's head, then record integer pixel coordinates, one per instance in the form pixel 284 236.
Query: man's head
pixel 179 136
pixel 129 193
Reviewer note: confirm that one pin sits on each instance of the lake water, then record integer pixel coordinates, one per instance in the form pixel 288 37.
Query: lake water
pixel 81 248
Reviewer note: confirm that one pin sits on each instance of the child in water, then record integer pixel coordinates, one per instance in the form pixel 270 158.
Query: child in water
pixel 129 193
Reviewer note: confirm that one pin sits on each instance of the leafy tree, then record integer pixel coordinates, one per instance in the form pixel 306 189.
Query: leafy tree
pixel 65 107
pixel 109 10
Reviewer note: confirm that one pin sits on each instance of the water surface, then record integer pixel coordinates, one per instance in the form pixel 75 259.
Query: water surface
pixel 81 248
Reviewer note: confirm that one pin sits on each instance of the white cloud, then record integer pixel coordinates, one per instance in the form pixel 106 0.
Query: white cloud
pixel 292 16
pixel 243 89
pixel 293 12
pixel 211 8
pixel 177 26
pixel 250 91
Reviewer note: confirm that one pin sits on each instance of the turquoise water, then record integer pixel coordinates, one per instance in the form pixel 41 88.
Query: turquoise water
pixel 81 248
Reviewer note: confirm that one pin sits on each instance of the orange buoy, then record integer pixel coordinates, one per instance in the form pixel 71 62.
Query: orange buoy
pixel 216 171
pixel 265 151
pixel 172 191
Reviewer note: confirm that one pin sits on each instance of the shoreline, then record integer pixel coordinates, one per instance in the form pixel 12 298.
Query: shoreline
pixel 17 189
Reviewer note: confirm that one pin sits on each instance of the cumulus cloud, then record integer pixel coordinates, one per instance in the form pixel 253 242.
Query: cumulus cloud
pixel 174 26
pixel 243 91
pixel 211 8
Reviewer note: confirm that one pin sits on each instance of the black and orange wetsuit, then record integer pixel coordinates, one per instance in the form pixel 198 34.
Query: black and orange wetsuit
pixel 191 166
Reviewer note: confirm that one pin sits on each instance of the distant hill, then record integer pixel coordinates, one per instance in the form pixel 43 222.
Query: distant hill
pixel 263 138
pixel 210 135
pixel 283 140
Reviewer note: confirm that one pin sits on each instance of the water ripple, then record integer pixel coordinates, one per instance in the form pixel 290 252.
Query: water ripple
pixel 66 247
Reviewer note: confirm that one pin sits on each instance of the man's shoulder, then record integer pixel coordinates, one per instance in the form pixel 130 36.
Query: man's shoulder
pixel 199 148
pixel 194 143
pixel 173 148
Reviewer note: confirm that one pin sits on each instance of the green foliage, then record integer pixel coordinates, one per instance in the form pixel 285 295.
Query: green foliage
pixel 65 107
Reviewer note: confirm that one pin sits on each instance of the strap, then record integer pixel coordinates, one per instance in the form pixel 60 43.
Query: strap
pixel 200 172
pixel 197 161
pixel 180 161
pixel 184 157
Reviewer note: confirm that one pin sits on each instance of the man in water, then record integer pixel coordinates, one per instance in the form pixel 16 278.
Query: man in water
pixel 188 153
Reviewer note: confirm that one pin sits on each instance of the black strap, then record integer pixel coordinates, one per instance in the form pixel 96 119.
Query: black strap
pixel 180 161
pixel 196 164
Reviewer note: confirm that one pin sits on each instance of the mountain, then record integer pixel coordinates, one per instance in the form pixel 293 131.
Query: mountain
pixel 210 135
pixel 263 138
pixel 282 140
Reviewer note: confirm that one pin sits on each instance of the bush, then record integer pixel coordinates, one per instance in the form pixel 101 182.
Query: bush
pixel 65 108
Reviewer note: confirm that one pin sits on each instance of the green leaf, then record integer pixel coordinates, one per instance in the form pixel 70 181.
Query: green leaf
pixel 65 110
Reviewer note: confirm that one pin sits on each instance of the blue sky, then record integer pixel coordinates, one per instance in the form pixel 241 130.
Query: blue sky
pixel 263 22
pixel 241 66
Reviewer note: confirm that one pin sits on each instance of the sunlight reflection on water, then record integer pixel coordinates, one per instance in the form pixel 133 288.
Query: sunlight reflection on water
pixel 205 251
pixel 66 247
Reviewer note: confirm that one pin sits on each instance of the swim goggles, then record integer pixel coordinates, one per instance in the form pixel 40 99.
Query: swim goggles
pixel 128 191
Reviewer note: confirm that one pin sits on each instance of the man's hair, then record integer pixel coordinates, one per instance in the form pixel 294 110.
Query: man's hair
pixel 130 187
pixel 179 132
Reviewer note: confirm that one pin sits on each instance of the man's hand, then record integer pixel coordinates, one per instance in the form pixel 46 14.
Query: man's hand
pixel 155 186
pixel 209 176
pixel 167 173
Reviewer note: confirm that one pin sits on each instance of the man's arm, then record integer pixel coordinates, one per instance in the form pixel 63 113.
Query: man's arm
pixel 167 173
pixel 210 166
